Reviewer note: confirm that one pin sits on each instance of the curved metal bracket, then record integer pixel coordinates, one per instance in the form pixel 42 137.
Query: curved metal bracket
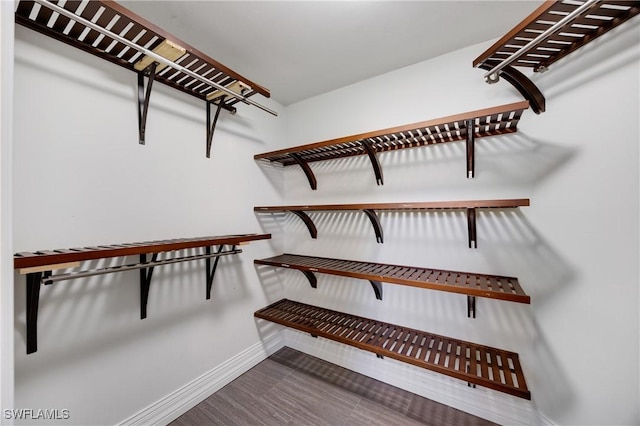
pixel 145 283
pixel 211 127
pixel 143 100
pixel 377 288
pixel 307 221
pixel 525 86
pixel 313 280
pixel 306 169
pixel 471 164
pixel 471 227
pixel 375 221
pixel 371 152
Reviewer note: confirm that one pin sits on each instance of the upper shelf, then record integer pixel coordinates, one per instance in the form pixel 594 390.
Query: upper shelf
pixel 548 34
pixel 486 122
pixel 117 19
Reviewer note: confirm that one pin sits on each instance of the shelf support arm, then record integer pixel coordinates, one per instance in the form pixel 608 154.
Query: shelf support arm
pixel 211 126
pixel 375 222
pixel 371 152
pixel 212 271
pixel 471 306
pixel 522 84
pixel 33 296
pixel 307 221
pixel 313 280
pixel 471 227
pixel 377 288
pixel 471 142
pixel 143 100
pixel 145 283
pixel 306 169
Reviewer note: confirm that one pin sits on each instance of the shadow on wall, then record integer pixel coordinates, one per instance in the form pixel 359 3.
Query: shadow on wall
pixel 81 318
pixel 516 158
pixel 274 174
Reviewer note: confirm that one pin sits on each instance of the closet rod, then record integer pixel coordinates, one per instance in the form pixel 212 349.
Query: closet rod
pixel 150 53
pixel 492 75
pixel 82 274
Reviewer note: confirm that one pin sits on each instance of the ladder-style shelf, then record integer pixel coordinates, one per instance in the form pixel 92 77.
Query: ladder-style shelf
pixel 38 266
pixel 486 122
pixel 116 34
pixel 370 211
pixel 471 284
pixel 548 34
pixel 475 364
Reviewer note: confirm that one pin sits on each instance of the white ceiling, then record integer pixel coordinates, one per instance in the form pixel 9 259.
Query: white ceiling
pixel 299 49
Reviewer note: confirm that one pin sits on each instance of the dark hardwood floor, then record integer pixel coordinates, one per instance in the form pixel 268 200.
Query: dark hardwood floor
pixel 292 388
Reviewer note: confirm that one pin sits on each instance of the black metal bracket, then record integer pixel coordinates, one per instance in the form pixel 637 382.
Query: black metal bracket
pixel 313 280
pixel 379 356
pixel 471 306
pixel 375 222
pixel 211 124
pixel 522 84
pixel 145 283
pixel 371 152
pixel 212 271
pixel 471 227
pixel 33 296
pixel 377 288
pixel 471 130
pixel 143 99
pixel 307 221
pixel 468 369
pixel 306 169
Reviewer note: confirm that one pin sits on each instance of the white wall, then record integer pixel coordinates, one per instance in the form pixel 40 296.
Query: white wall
pixel 80 178
pixel 575 250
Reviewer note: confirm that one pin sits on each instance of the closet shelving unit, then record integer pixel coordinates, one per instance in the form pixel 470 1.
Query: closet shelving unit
pixel 486 122
pixel 551 32
pixel 116 34
pixel 371 209
pixel 38 266
pixel 472 284
pixel 476 364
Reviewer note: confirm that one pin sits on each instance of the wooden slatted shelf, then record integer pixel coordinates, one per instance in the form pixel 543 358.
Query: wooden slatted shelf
pixel 486 122
pixel 39 265
pixel 566 34
pixel 481 365
pixel 195 73
pixel 471 284
pixel 371 208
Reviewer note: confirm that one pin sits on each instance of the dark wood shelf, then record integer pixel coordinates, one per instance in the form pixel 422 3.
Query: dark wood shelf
pixel 473 363
pixel 486 122
pixel 370 209
pixel 592 19
pixel 39 265
pixel 470 284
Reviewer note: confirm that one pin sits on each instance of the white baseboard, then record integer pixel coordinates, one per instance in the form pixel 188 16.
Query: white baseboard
pixel 482 402
pixel 177 403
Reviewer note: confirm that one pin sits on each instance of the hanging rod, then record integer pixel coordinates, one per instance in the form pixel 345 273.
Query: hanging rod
pixel 492 75
pixel 82 274
pixel 150 53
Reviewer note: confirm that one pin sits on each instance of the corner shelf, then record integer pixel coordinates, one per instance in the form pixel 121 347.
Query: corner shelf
pixel 548 34
pixel 471 284
pixel 486 122
pixel 493 368
pixel 38 266
pixel 112 32
pixel 371 208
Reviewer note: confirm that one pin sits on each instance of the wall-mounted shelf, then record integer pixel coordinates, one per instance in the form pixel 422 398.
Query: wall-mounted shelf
pixel 471 284
pixel 371 209
pixel 475 364
pixel 116 34
pixel 494 121
pixel 548 34
pixel 38 266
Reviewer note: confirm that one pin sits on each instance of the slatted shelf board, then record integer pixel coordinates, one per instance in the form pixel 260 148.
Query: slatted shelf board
pixel 471 284
pixel 62 256
pixel 597 20
pixel 121 21
pixel 488 122
pixel 481 365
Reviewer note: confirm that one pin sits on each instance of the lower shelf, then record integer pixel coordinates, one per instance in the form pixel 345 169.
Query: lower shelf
pixel 482 365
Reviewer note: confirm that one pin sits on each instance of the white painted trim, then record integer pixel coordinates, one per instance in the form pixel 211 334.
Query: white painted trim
pixel 6 234
pixel 485 403
pixel 180 401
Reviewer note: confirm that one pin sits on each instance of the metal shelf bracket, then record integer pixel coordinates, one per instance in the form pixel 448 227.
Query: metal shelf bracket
pixel 143 99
